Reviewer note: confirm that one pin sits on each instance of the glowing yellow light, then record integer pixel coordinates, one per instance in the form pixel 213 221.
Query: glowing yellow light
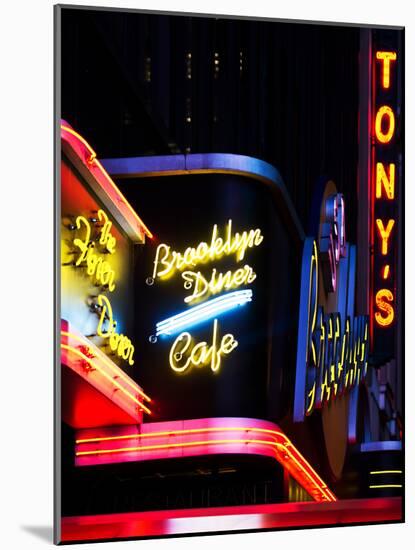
pixel 386 271
pixel 383 297
pixel 168 261
pixel 386 58
pixel 184 354
pixel 106 237
pixel 384 234
pixel 96 266
pixel 93 160
pixel 110 364
pixel 378 472
pixel 384 111
pixel 217 282
pixel 95 366
pixel 384 181
pixel 119 343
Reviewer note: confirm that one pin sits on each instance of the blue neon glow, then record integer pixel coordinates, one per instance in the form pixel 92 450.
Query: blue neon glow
pixel 203 312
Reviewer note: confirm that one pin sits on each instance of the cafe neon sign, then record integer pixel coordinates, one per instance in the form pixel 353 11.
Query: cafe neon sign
pixel 184 352
pixel 168 262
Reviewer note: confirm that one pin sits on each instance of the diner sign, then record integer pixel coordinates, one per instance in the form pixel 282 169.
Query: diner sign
pixel 209 292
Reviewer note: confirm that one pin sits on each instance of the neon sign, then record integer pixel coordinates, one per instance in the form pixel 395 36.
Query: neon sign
pixel 167 262
pixel 384 184
pixel 90 249
pixel 97 268
pixel 331 350
pixel 203 312
pixel 184 353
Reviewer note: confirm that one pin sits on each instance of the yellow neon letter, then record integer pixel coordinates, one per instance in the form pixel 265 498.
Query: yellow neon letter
pixel 386 58
pixel 384 111
pixel 82 244
pixel 105 311
pixel 382 179
pixel 106 238
pixel 384 233
pixel 383 297
pixel 177 351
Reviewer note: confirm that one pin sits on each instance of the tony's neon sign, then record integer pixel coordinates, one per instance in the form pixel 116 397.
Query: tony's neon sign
pixel 384 195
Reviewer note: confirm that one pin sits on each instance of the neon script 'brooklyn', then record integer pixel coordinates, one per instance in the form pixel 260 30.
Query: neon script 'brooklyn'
pixel 168 261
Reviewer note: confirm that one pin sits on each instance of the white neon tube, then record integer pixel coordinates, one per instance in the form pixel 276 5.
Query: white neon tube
pixel 204 311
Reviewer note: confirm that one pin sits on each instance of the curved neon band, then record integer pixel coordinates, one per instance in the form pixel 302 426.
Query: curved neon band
pixel 105 360
pixel 283 445
pixel 93 160
pixel 95 366
pixel 203 443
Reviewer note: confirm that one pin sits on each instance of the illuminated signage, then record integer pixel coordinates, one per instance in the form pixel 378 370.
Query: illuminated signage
pixel 332 347
pixel 184 352
pixel 168 262
pixel 203 312
pixel 386 175
pixel 93 247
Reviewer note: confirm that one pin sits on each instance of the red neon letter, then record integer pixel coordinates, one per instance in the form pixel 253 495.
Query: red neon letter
pixel 382 179
pixel 384 111
pixel 384 234
pixel 382 298
pixel 386 58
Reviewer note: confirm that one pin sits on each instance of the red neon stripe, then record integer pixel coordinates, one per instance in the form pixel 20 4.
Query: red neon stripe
pixel 72 136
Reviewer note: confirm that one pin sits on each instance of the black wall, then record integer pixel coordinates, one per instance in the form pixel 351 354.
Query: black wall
pixel 285 93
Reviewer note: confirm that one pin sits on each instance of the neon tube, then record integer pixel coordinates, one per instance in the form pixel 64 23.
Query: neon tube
pixel 109 363
pixel 93 160
pixel 95 366
pixel 326 493
pixel 204 311
pixel 237 297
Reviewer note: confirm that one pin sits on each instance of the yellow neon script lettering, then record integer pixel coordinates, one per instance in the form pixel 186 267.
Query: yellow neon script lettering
pixel 96 267
pixel 107 239
pixel 119 343
pixel 217 282
pixel 168 261
pixel 184 353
